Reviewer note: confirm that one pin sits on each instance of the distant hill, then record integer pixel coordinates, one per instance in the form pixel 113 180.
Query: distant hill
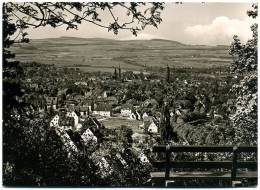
pixel 98 54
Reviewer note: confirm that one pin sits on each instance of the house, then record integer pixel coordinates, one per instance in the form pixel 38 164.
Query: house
pixel 153 127
pixel 76 138
pixel 40 109
pixel 150 103
pixel 63 92
pixel 62 124
pixel 121 159
pixel 138 115
pixel 81 83
pixel 146 73
pixel 126 110
pixel 78 98
pixel 132 116
pixel 55 121
pixel 101 161
pixel 87 102
pixel 102 109
pixel 104 166
pixel 71 103
pixel 135 115
pixel 145 115
pixel 143 158
pixel 172 113
pixel 179 116
pixel 91 130
pixel 137 72
pixel 88 136
pixel 29 80
pixel 69 145
pixel 92 78
pixel 74 116
pixel 150 125
pixel 112 100
pixel 66 123
pixel 91 122
pixel 84 111
pixel 132 102
pixel 51 101
pixel 88 94
pixel 34 86
pixel 104 94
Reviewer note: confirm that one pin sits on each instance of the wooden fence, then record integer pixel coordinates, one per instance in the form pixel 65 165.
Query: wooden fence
pixel 206 166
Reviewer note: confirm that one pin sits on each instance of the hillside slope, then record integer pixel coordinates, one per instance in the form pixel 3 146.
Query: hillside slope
pixel 98 54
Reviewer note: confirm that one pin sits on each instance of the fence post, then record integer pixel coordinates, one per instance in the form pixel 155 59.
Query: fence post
pixel 234 164
pixel 167 163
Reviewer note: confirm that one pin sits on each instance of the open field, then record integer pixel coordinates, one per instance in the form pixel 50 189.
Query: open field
pixel 103 54
pixel 115 122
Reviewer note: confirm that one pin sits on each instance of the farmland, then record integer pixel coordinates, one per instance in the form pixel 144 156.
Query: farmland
pixel 97 54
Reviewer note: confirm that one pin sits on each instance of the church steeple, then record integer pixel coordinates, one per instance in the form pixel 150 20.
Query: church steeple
pixel 115 74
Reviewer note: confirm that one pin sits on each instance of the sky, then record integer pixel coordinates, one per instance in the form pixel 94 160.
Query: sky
pixel 189 23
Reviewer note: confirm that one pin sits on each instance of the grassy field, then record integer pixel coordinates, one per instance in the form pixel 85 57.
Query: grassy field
pixel 103 54
pixel 115 122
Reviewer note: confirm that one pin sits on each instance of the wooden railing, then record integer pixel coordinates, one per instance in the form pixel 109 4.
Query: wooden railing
pixel 232 165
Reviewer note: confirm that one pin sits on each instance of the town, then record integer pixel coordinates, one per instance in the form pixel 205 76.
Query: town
pixel 114 115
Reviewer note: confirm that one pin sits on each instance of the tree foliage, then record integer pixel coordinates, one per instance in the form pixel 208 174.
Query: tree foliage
pixel 166 129
pixel 72 14
pixel 245 68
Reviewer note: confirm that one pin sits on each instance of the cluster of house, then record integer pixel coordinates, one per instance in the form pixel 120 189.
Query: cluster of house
pixel 68 123
pixel 75 132
pixel 109 161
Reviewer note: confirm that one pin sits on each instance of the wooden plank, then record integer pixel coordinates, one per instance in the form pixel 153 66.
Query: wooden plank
pixel 167 164
pixel 247 174
pixel 206 164
pixel 159 148
pixel 234 164
pixel 247 149
pixel 162 148
pixel 158 175
pixel 202 149
pixel 203 175
pixel 195 165
pixel 247 164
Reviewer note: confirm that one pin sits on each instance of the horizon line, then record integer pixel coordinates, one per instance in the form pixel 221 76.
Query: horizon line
pixel 122 40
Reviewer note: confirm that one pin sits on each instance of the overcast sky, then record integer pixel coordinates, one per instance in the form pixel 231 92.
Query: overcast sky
pixel 190 23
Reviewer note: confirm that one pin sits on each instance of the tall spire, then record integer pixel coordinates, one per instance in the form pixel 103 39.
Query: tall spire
pixel 115 74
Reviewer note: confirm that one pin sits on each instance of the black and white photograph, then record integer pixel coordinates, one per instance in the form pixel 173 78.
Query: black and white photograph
pixel 129 94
